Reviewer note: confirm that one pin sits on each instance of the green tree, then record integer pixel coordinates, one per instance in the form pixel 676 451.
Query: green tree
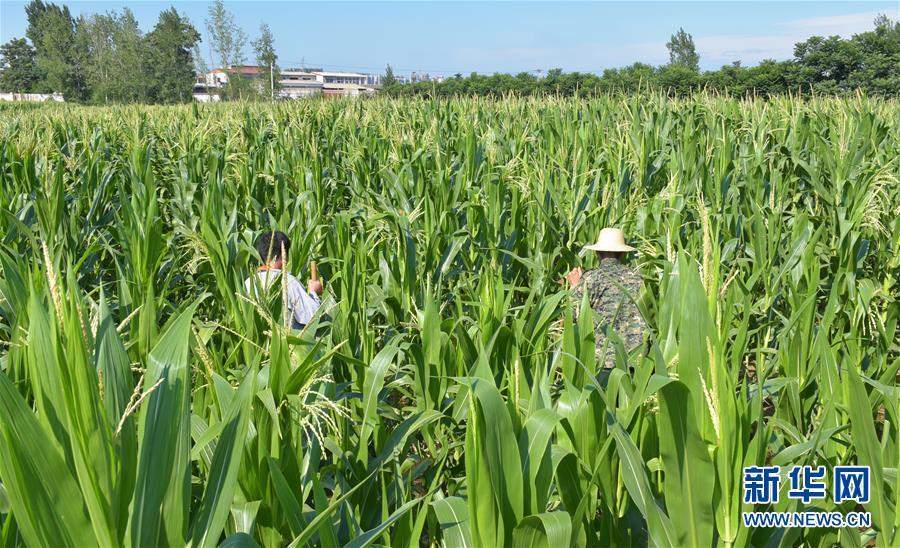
pixel 677 79
pixel 128 70
pixel 20 71
pixel 524 83
pixel 227 42
pixel 113 57
pixel 772 77
pixel 826 63
pixel 51 30
pixel 638 76
pixel 95 39
pixel 682 51
pixel 730 78
pixel 388 79
pixel 33 12
pixel 876 71
pixel 170 62
pixel 266 58
pixel 200 66
pixel 226 39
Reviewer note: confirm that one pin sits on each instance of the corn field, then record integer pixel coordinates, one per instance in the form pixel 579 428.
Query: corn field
pixel 446 394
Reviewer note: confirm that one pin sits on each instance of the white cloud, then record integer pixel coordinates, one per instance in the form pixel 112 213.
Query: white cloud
pixel 718 50
pixel 715 50
pixel 748 48
pixel 841 24
pixel 753 48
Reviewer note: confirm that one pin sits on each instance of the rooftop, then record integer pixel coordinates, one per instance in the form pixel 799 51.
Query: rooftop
pixel 351 74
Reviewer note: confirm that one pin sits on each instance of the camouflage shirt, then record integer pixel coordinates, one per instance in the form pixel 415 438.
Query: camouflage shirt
pixel 613 308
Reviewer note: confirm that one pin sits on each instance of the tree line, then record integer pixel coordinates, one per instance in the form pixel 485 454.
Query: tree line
pixel 869 62
pixel 106 58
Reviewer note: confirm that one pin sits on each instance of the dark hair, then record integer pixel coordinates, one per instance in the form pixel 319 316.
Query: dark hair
pixel 270 244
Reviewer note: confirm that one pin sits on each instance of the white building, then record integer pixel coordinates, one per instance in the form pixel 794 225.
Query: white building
pixel 338 89
pixel 294 83
pixel 342 78
pixel 349 84
pixel 32 97
pixel 298 83
pixel 207 86
pixel 203 95
pixel 425 77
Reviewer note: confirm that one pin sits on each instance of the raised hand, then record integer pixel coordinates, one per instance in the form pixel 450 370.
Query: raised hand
pixel 574 276
pixel 315 286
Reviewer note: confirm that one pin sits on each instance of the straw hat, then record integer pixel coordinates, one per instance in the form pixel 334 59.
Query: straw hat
pixel 611 239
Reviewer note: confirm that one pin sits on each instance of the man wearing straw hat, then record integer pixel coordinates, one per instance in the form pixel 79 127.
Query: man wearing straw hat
pixel 612 289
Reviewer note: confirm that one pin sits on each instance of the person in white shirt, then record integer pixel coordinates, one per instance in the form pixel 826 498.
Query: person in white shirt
pixel 299 304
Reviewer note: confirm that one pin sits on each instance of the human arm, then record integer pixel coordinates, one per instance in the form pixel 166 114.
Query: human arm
pixel 303 303
pixel 314 285
pixel 315 288
pixel 574 276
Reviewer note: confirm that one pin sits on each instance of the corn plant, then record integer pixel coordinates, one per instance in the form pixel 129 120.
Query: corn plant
pixel 446 394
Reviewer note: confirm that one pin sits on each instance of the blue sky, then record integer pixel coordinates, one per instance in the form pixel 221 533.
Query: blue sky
pixel 450 37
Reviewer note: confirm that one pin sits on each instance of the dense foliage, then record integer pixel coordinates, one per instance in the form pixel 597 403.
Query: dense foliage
pixel 20 72
pixel 101 58
pixel 445 396
pixel 105 58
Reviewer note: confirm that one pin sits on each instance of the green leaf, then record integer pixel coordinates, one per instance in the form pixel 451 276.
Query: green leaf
pixel 114 370
pixel 634 474
pixel 534 451
pixel 369 536
pixel 239 540
pixel 285 495
pixel 45 498
pixel 452 515
pixel 163 478
pixel 690 475
pixel 397 440
pixel 493 467
pixel 545 530
pixel 222 480
pixel 374 382
pixel 112 363
pixel 868 450
pixel 325 514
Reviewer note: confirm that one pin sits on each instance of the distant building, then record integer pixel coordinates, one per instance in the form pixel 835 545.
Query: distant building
pixel 293 83
pixel 205 88
pixel 342 78
pixel 32 97
pixel 202 94
pixel 298 83
pixel 248 71
pixel 424 77
pixel 338 89
pixel 351 84
pixel 207 85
